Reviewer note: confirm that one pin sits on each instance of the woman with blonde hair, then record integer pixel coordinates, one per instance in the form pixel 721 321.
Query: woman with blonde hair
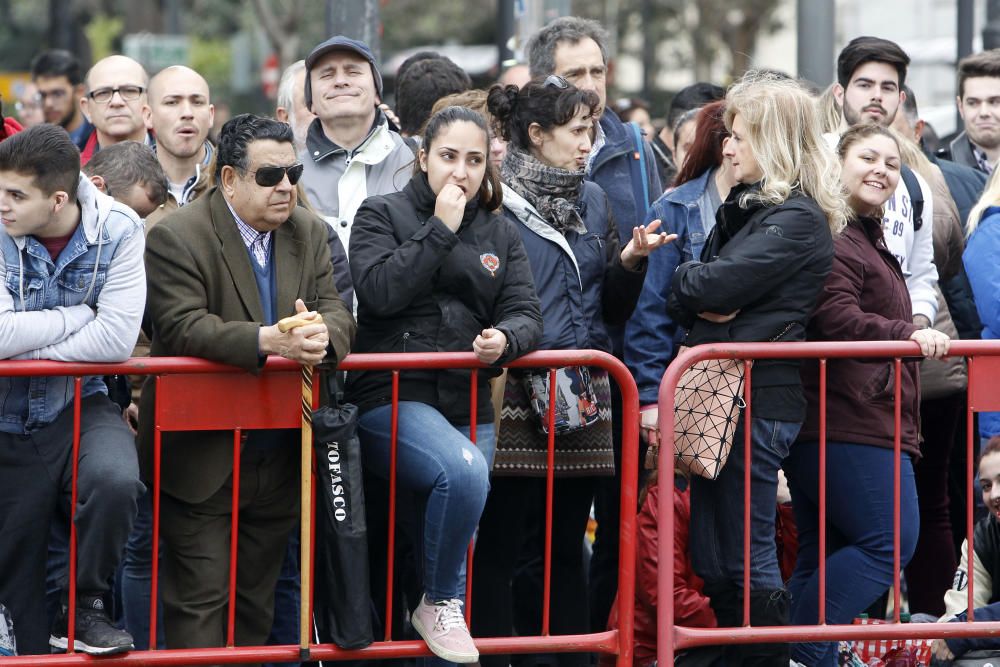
pixel 760 273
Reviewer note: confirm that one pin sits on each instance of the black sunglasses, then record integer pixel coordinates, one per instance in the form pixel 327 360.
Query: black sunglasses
pixel 556 81
pixel 268 177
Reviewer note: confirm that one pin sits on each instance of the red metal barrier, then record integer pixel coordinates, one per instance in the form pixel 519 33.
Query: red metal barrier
pixel 983 369
pixel 194 394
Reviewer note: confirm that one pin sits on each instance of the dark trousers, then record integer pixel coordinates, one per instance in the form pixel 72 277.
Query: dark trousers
pixel 932 568
pixel 35 478
pixel 196 541
pixel 499 548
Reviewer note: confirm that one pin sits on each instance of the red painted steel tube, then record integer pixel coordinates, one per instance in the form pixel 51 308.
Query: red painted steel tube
pixel 896 485
pixel 672 638
pixel 473 414
pixel 970 498
pixel 602 642
pixel 629 501
pixel 391 548
pixel 71 613
pixel 549 491
pixel 154 589
pixel 747 458
pixel 234 541
pixel 821 618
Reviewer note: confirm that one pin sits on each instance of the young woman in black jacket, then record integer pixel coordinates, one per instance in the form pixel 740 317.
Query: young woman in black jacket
pixel 436 269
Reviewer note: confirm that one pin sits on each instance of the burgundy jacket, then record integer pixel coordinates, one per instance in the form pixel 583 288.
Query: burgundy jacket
pixel 864 298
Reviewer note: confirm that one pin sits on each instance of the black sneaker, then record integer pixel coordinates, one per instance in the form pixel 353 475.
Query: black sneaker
pixel 95 633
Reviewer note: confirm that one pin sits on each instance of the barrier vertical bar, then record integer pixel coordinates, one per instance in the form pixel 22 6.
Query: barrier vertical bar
pixel 155 571
pixel 970 458
pixel 71 612
pixel 549 491
pixel 473 415
pixel 234 541
pixel 897 464
pixel 822 492
pixel 747 455
pixel 666 457
pixel 627 513
pixel 391 542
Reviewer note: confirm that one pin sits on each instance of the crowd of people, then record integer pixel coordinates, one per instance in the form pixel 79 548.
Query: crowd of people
pixel 534 215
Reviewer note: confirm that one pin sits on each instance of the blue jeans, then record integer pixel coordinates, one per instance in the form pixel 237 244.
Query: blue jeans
pixel 717 511
pixel 137 574
pixel 438 461
pixel 859 509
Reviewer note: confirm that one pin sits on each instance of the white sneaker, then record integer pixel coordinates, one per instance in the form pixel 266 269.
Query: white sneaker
pixel 442 626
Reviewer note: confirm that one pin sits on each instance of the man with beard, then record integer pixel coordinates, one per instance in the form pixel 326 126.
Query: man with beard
pixel 871 73
pixel 115 103
pixel 59 78
pixel 979 105
pixel 180 115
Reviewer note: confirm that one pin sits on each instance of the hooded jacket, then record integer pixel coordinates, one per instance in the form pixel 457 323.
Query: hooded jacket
pixel 581 282
pixel 423 288
pixel 336 180
pixel 769 263
pixel 84 306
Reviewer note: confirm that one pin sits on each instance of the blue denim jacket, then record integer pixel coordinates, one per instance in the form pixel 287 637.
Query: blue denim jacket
pixel 86 306
pixel 651 336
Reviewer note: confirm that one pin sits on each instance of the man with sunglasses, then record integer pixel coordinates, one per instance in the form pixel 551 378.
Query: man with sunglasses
pixel 115 102
pixel 221 272
pixel 59 78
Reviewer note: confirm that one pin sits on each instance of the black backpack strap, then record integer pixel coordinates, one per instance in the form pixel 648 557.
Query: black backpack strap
pixel 916 195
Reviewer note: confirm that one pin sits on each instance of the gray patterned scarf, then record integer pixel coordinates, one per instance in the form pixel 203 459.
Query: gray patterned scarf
pixel 553 192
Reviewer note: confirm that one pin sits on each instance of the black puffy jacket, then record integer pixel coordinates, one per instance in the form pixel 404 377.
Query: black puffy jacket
pixel 423 288
pixel 769 263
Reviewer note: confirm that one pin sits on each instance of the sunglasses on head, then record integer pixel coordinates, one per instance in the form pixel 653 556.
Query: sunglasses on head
pixel 268 177
pixel 556 81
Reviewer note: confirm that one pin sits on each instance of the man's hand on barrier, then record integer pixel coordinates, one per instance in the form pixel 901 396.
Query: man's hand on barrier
pixel 933 343
pixel 649 427
pixel 719 318
pixel 304 342
pixel 489 345
pixel 941 651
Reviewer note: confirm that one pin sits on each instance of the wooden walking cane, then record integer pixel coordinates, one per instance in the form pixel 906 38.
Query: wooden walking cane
pixel 305 535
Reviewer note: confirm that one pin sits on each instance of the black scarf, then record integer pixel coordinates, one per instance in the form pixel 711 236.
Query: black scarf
pixel 553 192
pixel 419 190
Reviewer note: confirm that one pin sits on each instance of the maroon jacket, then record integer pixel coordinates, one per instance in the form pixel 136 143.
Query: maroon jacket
pixel 864 298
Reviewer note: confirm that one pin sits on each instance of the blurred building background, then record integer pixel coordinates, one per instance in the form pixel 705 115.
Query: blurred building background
pixel 658 46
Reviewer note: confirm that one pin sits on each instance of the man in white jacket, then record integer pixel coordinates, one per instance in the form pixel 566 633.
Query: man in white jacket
pixel 74 290
pixel 870 75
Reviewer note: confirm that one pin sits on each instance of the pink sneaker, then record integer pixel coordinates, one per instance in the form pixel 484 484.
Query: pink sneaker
pixel 442 626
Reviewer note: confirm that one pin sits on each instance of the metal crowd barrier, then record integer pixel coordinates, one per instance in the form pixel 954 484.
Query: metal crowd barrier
pixel 194 394
pixel 983 359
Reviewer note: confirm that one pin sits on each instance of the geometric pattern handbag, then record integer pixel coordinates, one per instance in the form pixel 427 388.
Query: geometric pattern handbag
pixel 707 404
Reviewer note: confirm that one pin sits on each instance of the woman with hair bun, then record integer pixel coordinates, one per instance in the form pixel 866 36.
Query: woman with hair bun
pixel 585 281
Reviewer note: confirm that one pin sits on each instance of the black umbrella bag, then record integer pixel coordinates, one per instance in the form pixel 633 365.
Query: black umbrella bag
pixel 342 606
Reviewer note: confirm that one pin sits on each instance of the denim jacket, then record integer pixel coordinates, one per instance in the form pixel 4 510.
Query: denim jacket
pixel 85 306
pixel 651 336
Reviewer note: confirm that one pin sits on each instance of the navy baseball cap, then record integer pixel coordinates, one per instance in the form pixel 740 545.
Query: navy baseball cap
pixel 341 43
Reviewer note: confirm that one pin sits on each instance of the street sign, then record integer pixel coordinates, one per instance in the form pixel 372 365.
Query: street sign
pixel 156 52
